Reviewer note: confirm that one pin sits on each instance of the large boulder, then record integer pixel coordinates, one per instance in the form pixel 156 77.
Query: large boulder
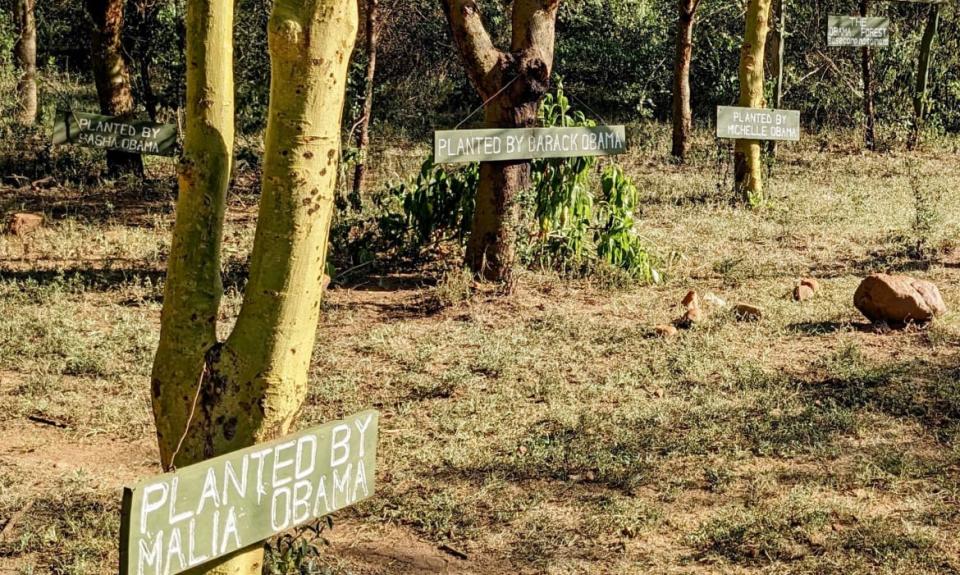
pixel 898 299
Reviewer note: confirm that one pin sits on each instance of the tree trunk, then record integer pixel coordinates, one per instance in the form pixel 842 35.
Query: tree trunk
pixel 363 135
pixel 209 397
pixel 682 112
pixel 779 41
pixel 923 73
pixel 112 76
pixel 866 66
pixel 511 85
pixel 748 168
pixel 25 52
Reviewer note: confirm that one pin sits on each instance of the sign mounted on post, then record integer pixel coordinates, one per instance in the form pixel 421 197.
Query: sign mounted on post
pixel 499 145
pixel 858 31
pixel 758 124
pixel 176 521
pixel 133 136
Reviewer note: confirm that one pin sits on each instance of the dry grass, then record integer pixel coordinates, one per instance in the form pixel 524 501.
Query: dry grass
pixel 548 431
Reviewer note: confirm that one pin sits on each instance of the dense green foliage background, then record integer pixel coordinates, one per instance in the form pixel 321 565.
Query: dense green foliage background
pixel 616 57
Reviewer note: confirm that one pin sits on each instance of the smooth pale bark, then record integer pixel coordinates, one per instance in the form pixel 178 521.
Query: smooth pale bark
pixel 866 69
pixel 111 75
pixel 748 168
pixel 923 73
pixel 363 135
pixel 512 84
pixel 25 54
pixel 682 110
pixel 213 397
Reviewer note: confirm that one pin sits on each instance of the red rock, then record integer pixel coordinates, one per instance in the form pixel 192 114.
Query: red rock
pixel 745 312
pixel 803 292
pixel 898 299
pixel 22 224
pixel 665 331
pixel 690 300
pixel 812 283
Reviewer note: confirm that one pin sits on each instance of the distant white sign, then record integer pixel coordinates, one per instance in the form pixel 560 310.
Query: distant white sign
pixel 845 31
pixel 758 124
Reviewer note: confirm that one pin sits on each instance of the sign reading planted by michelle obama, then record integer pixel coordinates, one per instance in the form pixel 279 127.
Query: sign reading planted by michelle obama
pixel 499 145
pixel 176 521
pixel 758 124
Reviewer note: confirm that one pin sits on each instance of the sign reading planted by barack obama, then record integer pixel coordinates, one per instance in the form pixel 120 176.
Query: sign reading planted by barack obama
pixel 176 521
pixel 133 136
pixel 758 124
pixel 858 31
pixel 499 145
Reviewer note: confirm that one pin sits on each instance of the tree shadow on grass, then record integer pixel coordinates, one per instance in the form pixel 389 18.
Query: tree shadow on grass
pixel 129 203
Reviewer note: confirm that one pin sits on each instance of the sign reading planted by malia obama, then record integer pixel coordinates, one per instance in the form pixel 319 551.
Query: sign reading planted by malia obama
pixel 758 124
pixel 498 145
pixel 858 31
pixel 176 521
pixel 96 131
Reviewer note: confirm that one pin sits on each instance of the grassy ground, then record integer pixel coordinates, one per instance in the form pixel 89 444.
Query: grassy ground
pixel 546 431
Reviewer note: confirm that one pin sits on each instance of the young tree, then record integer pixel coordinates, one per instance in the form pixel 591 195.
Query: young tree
pixel 748 168
pixel 682 112
pixel 111 75
pixel 209 396
pixel 25 53
pixel 511 83
pixel 866 67
pixel 372 33
pixel 923 72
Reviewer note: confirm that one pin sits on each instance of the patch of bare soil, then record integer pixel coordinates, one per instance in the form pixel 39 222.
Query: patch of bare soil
pixel 390 550
pixel 40 454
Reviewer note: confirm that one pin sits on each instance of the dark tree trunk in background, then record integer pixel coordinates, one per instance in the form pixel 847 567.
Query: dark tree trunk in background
pixel 25 55
pixel 779 46
pixel 870 133
pixel 512 84
pixel 923 73
pixel 363 135
pixel 682 112
pixel 112 76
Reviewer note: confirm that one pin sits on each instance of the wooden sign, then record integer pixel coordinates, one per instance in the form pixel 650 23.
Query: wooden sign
pixel 873 31
pixel 176 521
pixel 758 124
pixel 498 145
pixel 96 131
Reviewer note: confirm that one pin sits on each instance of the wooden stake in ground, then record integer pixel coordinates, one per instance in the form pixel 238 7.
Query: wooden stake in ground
pixel 748 168
pixel 866 67
pixel 512 84
pixel 682 111
pixel 212 397
pixel 112 76
pixel 25 51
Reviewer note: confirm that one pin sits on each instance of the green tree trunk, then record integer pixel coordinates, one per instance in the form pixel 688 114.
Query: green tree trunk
pixel 923 73
pixel 25 52
pixel 748 167
pixel 212 397
pixel 512 84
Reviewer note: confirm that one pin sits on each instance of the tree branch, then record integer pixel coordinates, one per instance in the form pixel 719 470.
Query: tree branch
pixel 480 57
